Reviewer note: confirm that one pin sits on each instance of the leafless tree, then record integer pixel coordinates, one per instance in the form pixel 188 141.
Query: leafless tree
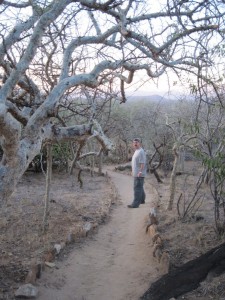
pixel 181 139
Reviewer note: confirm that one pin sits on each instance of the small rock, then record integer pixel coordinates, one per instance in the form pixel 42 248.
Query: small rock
pixel 63 245
pixel 34 273
pixel 27 291
pixel 87 227
pixel 57 248
pixel 70 238
pixel 49 256
pixel 49 264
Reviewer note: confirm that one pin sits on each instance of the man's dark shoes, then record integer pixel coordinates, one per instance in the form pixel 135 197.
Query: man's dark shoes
pixel 143 202
pixel 131 206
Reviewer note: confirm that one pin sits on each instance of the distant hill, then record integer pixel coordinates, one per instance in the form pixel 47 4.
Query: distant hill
pixel 154 98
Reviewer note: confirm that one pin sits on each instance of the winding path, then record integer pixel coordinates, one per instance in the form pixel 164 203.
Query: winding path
pixel 115 264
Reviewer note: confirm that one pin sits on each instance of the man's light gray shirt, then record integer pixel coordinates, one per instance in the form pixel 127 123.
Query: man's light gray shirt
pixel 138 158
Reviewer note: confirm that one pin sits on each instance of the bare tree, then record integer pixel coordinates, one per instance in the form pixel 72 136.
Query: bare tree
pixel 181 139
pixel 48 52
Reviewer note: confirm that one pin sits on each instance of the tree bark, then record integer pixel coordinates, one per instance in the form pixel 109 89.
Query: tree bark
pixel 48 186
pixel 156 175
pixel 173 178
pixel 18 154
pixel 100 162
pixel 188 276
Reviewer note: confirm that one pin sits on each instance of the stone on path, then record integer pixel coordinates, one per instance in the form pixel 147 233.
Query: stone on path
pixel 26 291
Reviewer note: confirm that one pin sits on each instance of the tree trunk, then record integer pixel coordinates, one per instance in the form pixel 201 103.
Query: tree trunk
pixel 181 159
pixel 48 185
pixel 156 175
pixel 76 156
pixel 173 179
pixel 188 276
pixel 13 167
pixel 18 154
pixel 100 162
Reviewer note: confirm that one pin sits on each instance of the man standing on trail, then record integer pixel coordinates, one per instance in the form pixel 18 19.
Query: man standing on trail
pixel 139 173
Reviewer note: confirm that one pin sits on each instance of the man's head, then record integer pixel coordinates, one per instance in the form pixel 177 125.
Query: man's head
pixel 137 143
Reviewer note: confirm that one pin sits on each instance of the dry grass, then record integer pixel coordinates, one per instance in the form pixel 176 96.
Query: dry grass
pixel 22 242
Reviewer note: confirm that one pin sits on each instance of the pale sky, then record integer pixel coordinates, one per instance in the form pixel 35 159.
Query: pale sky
pixel 144 86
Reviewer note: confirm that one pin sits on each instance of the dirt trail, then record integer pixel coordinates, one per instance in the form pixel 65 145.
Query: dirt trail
pixel 115 264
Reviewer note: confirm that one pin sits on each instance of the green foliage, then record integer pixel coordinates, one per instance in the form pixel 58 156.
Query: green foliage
pixel 215 164
pixel 61 151
pixel 190 128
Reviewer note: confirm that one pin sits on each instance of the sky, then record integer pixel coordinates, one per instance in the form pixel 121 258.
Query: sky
pixel 142 85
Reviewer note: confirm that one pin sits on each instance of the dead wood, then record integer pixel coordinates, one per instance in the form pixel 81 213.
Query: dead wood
pixel 187 277
pixel 79 179
pixel 156 175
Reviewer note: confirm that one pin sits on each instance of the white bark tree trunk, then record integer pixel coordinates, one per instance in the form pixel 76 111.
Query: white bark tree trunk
pixel 18 154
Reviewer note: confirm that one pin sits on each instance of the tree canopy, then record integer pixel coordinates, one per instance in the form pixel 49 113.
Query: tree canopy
pixel 54 53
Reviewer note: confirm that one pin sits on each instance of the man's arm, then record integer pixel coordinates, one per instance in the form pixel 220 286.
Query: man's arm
pixel 142 165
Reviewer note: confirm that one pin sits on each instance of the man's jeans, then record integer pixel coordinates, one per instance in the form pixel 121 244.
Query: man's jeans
pixel 139 193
